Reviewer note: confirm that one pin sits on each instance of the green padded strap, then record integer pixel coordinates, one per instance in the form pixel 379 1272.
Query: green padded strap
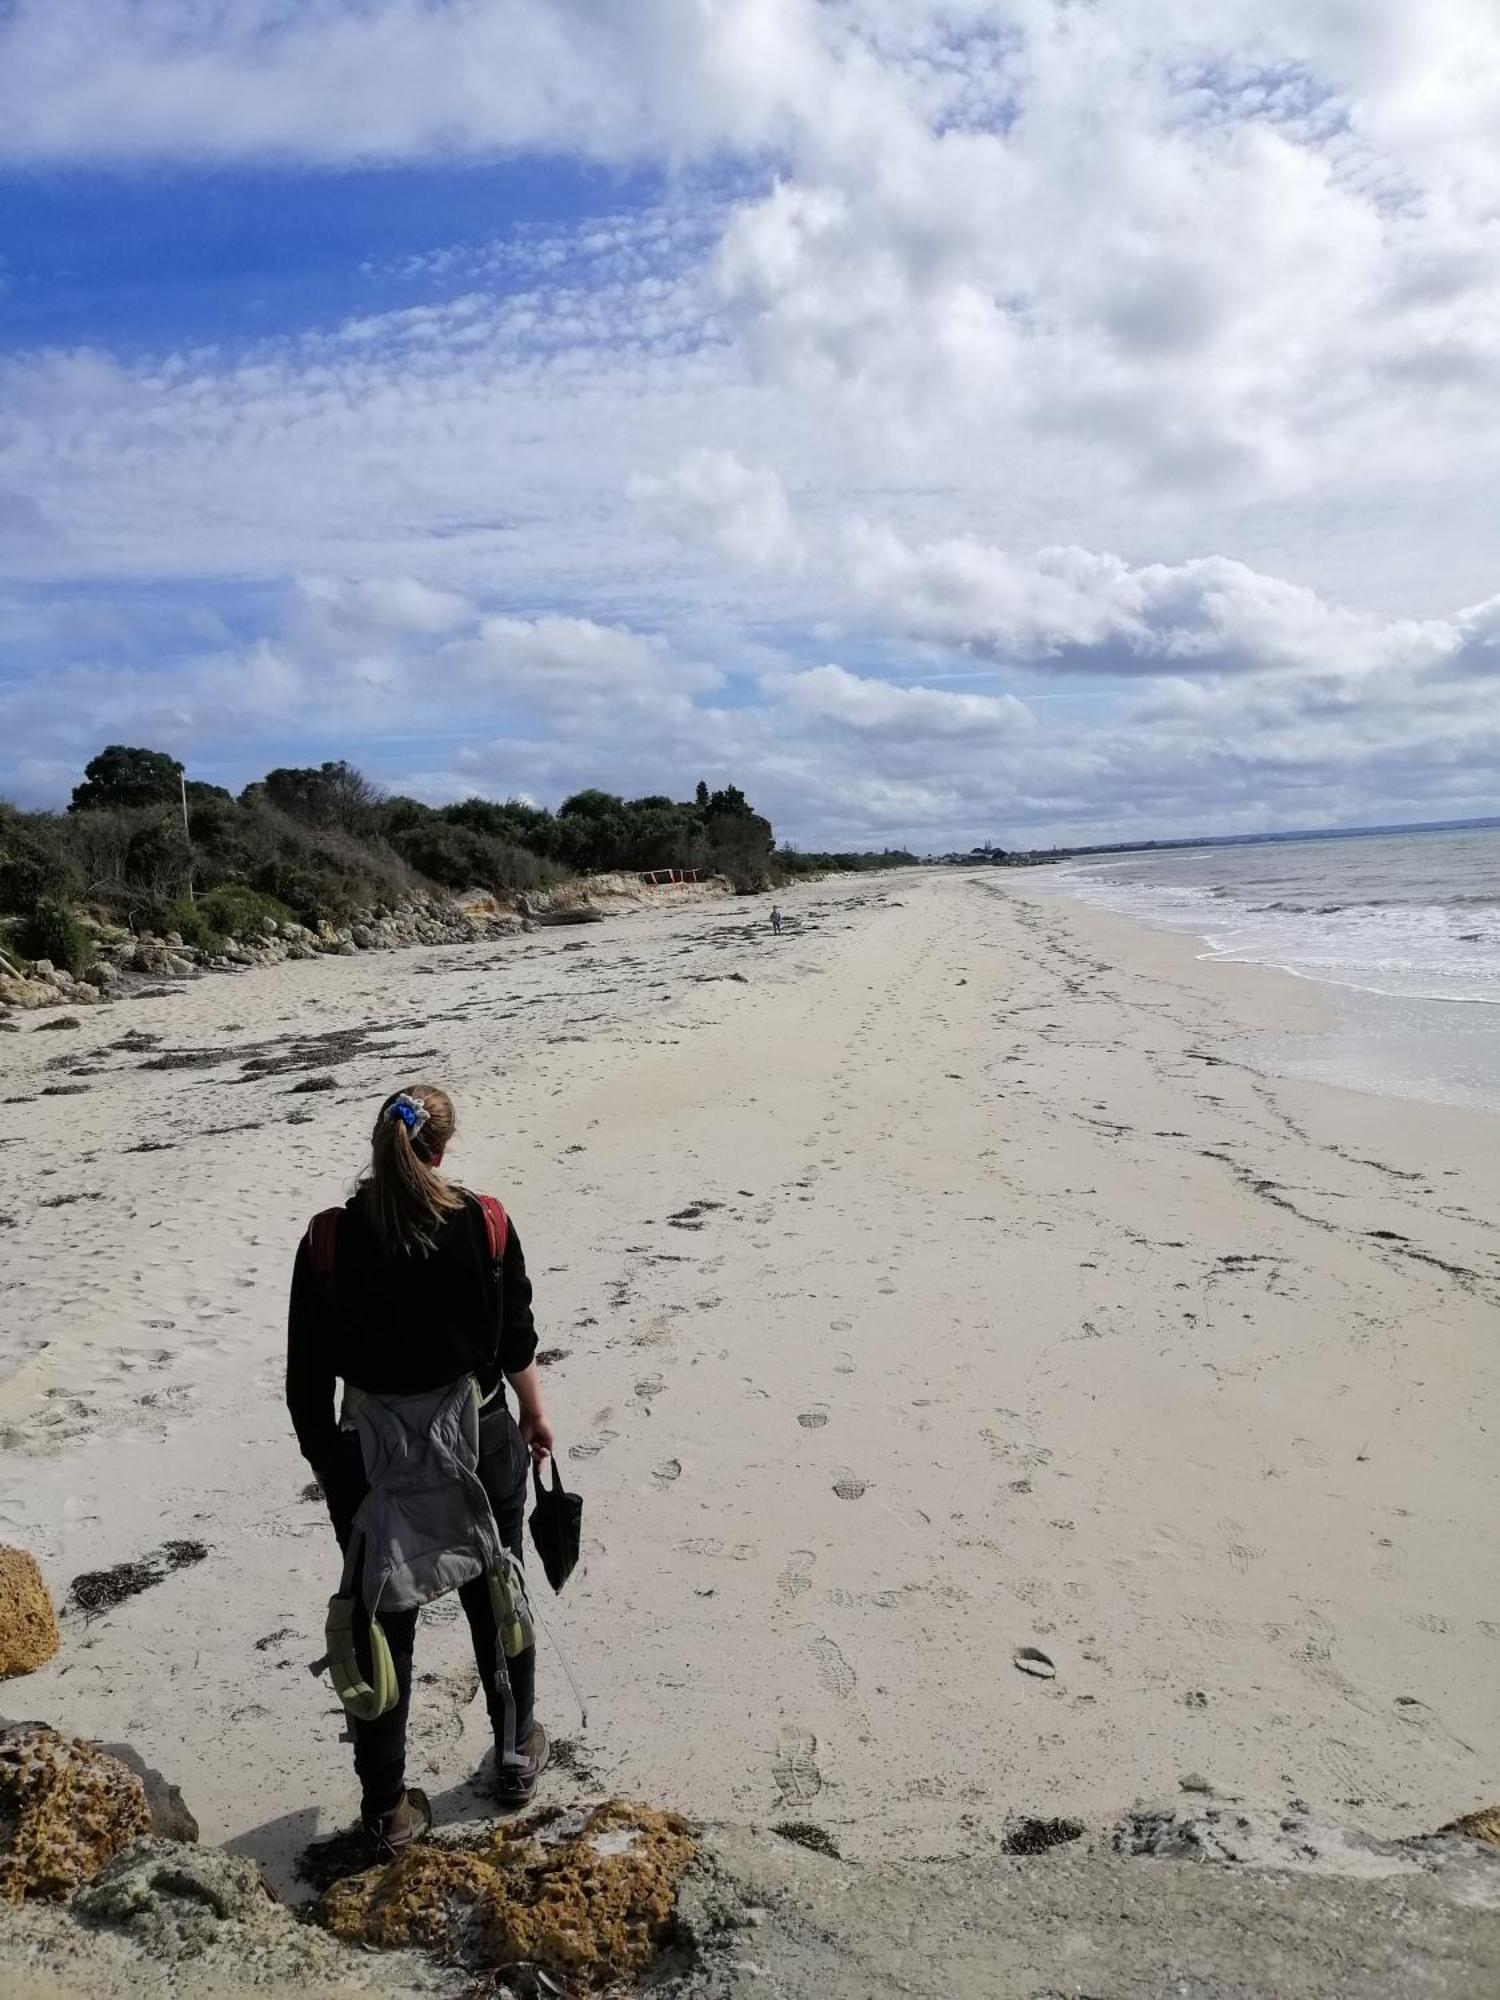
pixel 366 1703
pixel 512 1612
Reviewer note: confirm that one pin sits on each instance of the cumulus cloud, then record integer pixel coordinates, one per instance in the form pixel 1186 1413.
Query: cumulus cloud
pixel 880 708
pixel 1071 607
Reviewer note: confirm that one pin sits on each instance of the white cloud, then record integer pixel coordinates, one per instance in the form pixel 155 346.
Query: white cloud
pixel 1149 348
pixel 878 707
pixel 1071 607
pixel 711 496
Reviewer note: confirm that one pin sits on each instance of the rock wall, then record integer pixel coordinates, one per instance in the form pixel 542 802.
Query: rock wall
pixel 125 961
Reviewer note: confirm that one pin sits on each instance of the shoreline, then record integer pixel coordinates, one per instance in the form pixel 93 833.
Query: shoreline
pixel 1375 1040
pixel 931 1282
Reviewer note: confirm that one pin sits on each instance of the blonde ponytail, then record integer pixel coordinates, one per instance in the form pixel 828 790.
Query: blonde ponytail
pixel 407 1198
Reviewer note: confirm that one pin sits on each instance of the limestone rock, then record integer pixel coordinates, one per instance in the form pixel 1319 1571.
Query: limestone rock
pixel 27 993
pixel 170 1818
pixel 1483 1825
pixel 589 1899
pixel 65 1809
pixel 28 1624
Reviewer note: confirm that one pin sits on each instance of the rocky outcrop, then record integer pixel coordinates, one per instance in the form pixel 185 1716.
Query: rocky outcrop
pixel 65 1809
pixel 28 1624
pixel 170 1818
pixel 588 1898
pixel 164 1920
pixel 763 1916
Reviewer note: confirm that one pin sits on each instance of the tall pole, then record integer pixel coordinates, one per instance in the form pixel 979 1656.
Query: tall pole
pixel 186 831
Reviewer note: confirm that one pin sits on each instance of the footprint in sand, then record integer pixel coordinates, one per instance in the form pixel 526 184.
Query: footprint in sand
pixel 649 1386
pixel 849 1486
pixel 591 1447
pixel 1422 1717
pixel 843 1364
pixel 437 1719
pixel 797 1576
pixel 1240 1555
pixel 794 1768
pixel 834 1671
pixel 667 1471
pixel 815 1418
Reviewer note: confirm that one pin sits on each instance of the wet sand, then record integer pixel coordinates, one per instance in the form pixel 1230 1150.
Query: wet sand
pixel 932 1282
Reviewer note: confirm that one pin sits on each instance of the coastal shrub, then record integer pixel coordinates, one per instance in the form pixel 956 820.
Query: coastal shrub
pixel 313 895
pixel 459 858
pixel 189 922
pixel 23 882
pixel 158 860
pixel 237 911
pixel 52 931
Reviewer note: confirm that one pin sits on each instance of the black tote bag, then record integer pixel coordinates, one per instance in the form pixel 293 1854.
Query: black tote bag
pixel 556 1526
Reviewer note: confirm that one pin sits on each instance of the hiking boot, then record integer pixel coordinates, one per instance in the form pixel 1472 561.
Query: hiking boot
pixel 515 1784
pixel 403 1825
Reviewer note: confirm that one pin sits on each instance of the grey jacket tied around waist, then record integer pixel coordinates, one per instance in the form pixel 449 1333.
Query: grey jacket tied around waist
pixel 426 1526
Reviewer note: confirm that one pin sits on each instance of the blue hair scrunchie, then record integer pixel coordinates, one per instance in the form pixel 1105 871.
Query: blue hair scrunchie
pixel 408 1111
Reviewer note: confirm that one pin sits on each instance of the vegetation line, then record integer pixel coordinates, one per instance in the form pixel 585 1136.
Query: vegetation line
pixel 316 845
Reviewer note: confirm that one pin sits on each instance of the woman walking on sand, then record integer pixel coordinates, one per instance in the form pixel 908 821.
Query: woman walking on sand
pixel 415 1296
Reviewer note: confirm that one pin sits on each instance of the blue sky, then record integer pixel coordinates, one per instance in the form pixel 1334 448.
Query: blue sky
pixel 945 420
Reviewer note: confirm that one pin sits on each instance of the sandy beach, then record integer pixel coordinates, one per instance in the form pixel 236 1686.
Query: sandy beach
pixel 933 1281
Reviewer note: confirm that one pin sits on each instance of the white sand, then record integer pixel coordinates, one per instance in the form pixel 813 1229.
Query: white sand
pixel 1083 1319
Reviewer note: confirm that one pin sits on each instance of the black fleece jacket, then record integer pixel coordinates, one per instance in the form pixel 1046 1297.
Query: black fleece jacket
pixel 399 1325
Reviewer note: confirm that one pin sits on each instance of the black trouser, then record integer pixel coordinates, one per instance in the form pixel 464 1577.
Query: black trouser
pixel 380 1746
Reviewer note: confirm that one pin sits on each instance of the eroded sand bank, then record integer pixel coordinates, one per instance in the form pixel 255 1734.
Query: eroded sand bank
pixel 942 1286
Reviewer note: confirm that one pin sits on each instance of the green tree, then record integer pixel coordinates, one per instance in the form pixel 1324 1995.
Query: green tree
pixel 122 776
pixel 331 794
pixel 158 859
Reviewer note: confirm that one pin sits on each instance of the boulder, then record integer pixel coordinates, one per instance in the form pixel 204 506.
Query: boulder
pixel 589 1898
pixel 65 1809
pixel 28 1624
pixel 44 968
pixel 149 955
pixel 170 1818
pixel 27 993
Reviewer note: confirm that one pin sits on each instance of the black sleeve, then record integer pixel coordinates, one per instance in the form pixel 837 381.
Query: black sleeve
pixel 517 1327
pixel 309 1371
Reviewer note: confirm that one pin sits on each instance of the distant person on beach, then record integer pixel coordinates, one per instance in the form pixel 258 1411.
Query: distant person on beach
pixel 413 1288
pixel 776 919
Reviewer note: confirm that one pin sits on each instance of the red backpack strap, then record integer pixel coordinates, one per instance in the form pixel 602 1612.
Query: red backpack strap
pixel 496 1225
pixel 322 1241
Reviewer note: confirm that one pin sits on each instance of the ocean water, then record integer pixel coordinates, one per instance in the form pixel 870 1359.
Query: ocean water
pixel 1402 928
